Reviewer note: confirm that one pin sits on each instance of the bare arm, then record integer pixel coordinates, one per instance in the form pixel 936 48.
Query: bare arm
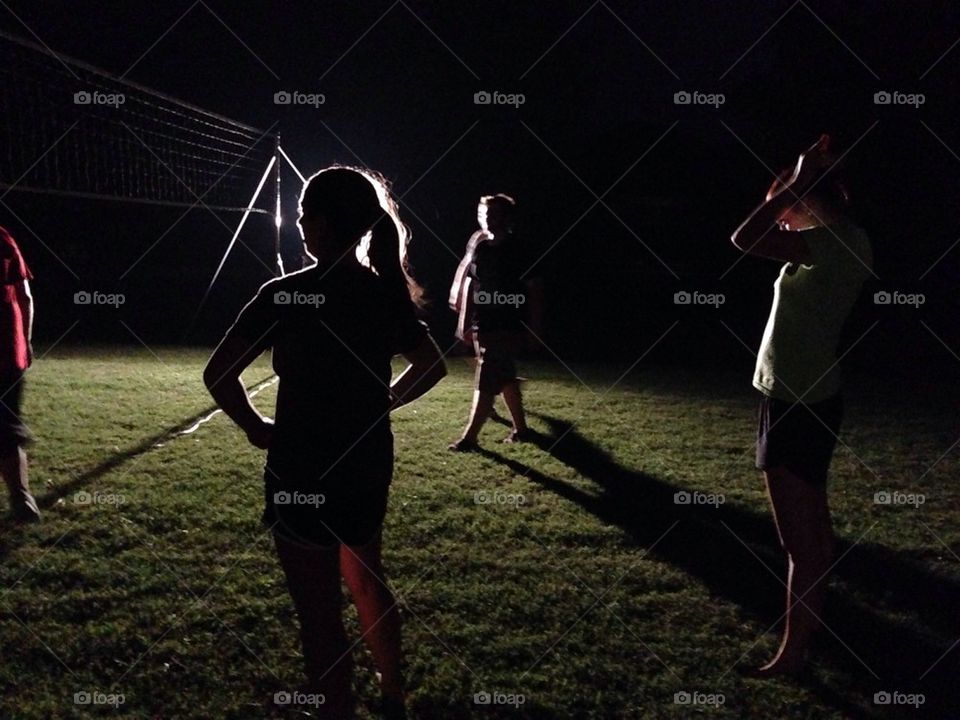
pixel 758 234
pixel 25 300
pixel 426 369
pixel 222 378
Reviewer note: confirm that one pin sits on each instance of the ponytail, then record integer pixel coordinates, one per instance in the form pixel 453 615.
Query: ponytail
pixel 387 252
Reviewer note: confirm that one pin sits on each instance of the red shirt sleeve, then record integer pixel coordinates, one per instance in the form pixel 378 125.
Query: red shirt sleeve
pixel 13 268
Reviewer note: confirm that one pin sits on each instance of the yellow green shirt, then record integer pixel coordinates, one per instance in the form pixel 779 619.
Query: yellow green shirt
pixel 811 303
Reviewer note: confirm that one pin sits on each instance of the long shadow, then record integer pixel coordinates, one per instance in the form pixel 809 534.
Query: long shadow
pixel 121 458
pixel 111 463
pixel 723 547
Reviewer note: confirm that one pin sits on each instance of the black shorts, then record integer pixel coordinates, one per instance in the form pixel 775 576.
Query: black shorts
pixel 13 433
pixel 324 496
pixel 495 351
pixel 800 437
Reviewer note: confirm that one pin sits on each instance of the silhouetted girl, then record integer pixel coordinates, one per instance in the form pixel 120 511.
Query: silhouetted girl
pixel 334 328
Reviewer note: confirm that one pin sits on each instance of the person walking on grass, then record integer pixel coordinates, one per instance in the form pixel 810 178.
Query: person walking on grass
pixel 16 355
pixel 491 297
pixel 333 328
pixel 803 222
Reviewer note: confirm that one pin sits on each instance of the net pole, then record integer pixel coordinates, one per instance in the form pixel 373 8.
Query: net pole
pixel 233 240
pixel 278 219
pixel 290 163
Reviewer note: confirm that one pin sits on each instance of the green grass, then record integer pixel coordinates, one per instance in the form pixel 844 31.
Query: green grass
pixel 594 597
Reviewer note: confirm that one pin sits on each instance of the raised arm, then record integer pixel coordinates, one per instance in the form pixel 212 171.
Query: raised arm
pixel 759 234
pixel 426 369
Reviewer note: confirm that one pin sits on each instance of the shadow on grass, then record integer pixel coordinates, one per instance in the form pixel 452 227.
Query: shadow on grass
pixel 724 547
pixel 112 463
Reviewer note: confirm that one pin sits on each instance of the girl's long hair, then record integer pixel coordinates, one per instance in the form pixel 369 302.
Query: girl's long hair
pixel 362 215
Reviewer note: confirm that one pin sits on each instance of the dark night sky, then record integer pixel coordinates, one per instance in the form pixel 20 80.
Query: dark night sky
pixel 599 79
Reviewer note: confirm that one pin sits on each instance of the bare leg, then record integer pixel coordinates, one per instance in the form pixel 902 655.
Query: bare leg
pixel 13 467
pixel 313 578
pixel 482 405
pixel 514 400
pixel 803 522
pixel 377 611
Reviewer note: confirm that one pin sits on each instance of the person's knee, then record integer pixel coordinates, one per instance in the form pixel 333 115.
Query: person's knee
pixel 365 585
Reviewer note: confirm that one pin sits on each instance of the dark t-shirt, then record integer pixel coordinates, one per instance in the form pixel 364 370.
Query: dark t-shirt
pixel 499 293
pixel 13 339
pixel 333 332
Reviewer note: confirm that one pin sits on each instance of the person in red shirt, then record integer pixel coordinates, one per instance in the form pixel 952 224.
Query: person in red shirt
pixel 16 355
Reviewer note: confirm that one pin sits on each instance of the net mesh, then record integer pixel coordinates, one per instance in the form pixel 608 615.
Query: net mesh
pixel 69 128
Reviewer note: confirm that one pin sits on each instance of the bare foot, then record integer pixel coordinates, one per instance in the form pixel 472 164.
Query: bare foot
pixel 782 665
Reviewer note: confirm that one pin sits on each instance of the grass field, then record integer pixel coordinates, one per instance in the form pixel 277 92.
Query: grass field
pixel 564 571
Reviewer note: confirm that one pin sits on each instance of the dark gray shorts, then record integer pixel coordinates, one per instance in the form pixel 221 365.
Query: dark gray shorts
pixel 495 366
pixel 13 432
pixel 798 437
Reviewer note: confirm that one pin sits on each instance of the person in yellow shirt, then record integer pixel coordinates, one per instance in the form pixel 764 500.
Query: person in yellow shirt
pixel 804 223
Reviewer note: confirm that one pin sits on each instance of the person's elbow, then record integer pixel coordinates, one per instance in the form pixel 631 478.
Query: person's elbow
pixel 210 377
pixel 428 362
pixel 434 367
pixel 737 241
pixel 215 374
